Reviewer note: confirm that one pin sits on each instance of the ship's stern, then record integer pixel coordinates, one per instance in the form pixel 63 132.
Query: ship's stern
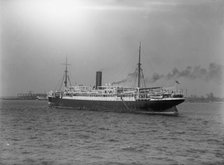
pixel 53 98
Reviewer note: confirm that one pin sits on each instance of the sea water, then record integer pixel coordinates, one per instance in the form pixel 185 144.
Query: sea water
pixel 31 133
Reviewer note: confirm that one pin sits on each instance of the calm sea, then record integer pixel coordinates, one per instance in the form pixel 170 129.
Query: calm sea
pixel 33 134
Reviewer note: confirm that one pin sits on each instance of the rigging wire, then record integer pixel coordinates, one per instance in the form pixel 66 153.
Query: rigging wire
pixel 62 82
pixel 59 84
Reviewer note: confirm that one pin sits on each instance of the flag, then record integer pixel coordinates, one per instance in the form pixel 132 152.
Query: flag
pixel 177 82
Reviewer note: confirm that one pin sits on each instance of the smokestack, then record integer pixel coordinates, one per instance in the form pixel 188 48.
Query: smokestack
pixel 98 79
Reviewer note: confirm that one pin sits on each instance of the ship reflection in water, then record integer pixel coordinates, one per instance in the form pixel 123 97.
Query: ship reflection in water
pixel 155 100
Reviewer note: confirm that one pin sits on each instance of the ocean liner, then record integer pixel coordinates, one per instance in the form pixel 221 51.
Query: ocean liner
pixel 154 100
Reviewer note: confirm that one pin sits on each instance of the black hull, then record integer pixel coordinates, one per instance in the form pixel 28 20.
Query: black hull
pixel 143 106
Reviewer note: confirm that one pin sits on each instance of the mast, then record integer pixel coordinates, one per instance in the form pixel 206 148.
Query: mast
pixel 139 66
pixel 66 73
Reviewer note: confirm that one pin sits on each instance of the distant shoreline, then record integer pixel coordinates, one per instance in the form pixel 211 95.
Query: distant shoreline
pixel 18 98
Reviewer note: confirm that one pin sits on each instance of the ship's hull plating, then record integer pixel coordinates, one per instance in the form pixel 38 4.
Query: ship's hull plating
pixel 143 106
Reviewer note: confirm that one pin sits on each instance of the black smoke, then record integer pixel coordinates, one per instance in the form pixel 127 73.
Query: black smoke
pixel 214 72
pixel 129 78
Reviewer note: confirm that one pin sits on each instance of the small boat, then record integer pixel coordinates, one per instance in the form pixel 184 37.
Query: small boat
pixel 41 98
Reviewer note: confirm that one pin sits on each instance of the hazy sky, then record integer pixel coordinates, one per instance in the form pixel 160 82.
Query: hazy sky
pixel 181 40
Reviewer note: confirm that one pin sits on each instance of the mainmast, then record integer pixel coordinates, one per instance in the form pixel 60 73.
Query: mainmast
pixel 139 67
pixel 66 73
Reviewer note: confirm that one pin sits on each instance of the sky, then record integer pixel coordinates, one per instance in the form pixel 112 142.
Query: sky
pixel 181 40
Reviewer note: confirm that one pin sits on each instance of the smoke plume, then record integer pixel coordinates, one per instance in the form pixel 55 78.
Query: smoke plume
pixel 128 79
pixel 214 72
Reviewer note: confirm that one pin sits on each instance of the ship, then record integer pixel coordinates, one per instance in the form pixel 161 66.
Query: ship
pixel 116 98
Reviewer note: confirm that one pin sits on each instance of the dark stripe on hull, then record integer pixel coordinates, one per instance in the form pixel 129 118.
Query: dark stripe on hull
pixel 118 106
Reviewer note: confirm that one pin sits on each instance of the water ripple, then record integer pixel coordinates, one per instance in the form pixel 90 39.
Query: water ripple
pixel 33 134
